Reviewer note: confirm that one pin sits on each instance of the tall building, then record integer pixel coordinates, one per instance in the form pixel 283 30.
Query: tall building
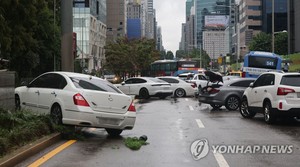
pixel 182 44
pixel 116 19
pixel 294 26
pixel 190 30
pixel 159 42
pixel 89 24
pixel 133 20
pixel 214 43
pixel 208 7
pixel 280 16
pixel 250 24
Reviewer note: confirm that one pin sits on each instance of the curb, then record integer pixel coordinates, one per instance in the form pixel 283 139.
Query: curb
pixel 25 152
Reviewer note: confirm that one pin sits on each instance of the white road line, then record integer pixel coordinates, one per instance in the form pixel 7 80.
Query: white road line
pixel 200 124
pixel 191 108
pixel 221 160
pixel 186 99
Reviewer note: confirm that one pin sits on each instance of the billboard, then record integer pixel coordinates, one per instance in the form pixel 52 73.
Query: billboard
pixel 216 21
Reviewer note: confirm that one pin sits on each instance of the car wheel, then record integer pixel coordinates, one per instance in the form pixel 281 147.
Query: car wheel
pixel 113 132
pixel 244 109
pixel 56 114
pixel 232 103
pixel 144 94
pixel 17 102
pixel 179 92
pixel 268 114
pixel 215 106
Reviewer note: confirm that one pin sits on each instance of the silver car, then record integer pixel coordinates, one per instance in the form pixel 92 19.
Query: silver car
pixel 229 93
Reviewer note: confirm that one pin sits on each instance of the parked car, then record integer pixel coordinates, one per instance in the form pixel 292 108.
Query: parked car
pixel 78 99
pixel 186 76
pixel 274 94
pixel 229 93
pixel 200 80
pixel 146 87
pixel 180 87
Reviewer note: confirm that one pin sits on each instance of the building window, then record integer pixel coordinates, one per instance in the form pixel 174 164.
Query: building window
pixel 254 7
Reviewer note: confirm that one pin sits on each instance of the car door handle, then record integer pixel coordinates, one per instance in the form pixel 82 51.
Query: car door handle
pixel 53 93
pixel 38 92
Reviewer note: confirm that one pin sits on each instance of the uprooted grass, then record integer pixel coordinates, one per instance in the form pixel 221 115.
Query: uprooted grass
pixel 21 127
pixel 134 143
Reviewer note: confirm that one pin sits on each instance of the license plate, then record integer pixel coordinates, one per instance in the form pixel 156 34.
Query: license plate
pixel 109 121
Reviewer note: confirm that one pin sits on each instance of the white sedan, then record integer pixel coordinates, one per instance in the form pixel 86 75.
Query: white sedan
pixel 78 99
pixel 145 87
pixel 180 87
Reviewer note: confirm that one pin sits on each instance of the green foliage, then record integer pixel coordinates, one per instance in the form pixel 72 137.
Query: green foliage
pixel 20 127
pixel 281 43
pixel 29 38
pixel 261 42
pixel 163 55
pixel 295 62
pixel 169 55
pixel 130 56
pixel 134 143
pixel 205 59
pixel 180 54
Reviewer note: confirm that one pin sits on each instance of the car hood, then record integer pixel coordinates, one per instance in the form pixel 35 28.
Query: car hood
pixel 213 76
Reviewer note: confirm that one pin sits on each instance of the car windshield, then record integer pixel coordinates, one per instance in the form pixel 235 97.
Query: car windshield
pixel 291 80
pixel 94 84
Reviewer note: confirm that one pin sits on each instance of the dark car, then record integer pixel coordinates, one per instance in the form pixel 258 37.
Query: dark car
pixel 228 93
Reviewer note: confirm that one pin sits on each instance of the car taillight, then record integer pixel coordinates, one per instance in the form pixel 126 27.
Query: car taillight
pixel 80 100
pixel 284 91
pixel 131 107
pixel 213 90
pixel 243 74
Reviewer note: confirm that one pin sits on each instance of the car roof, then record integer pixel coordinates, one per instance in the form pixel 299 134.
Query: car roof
pixel 71 74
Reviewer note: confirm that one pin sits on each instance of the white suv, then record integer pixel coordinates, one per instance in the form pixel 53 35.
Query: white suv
pixel 274 94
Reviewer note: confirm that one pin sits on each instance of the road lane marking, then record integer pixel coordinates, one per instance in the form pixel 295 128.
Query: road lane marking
pixel 186 99
pixel 191 108
pixel 51 154
pixel 221 160
pixel 200 124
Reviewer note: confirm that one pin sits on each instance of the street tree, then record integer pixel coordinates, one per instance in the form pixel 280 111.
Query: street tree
pixel 281 43
pixel 180 54
pixel 27 37
pixel 261 42
pixel 170 55
pixel 131 57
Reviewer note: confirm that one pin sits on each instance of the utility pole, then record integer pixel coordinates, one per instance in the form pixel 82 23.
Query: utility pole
pixel 67 60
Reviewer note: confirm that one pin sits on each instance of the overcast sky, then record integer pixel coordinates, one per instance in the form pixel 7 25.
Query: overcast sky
pixel 170 14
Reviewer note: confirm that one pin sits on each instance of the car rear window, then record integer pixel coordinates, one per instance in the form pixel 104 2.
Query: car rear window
pixel 291 80
pixel 94 84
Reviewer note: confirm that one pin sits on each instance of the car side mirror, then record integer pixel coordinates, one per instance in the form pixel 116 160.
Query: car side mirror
pixel 251 85
pixel 123 83
pixel 24 83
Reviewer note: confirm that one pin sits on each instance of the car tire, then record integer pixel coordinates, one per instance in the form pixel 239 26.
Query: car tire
pixel 269 117
pixel 215 106
pixel 144 94
pixel 56 114
pixel 17 102
pixel 113 132
pixel 179 92
pixel 244 109
pixel 232 103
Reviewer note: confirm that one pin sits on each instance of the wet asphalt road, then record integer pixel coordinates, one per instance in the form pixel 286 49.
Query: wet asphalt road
pixel 172 125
